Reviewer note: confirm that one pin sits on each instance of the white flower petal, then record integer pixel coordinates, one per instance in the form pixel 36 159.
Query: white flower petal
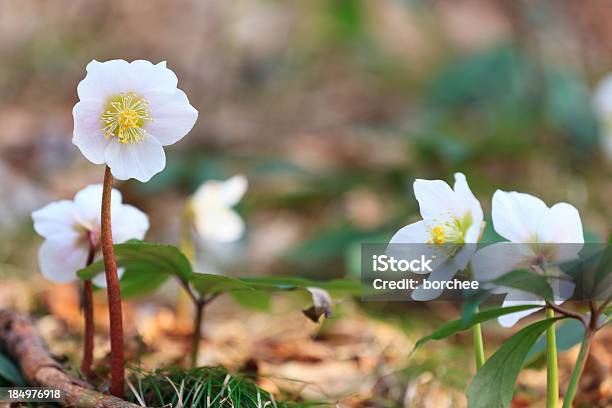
pixel 147 77
pixel 88 205
pixel 463 256
pixel 495 260
pixel 219 224
pixel 412 233
pixel 517 216
pixel 232 189
pixel 562 287
pixel 56 221
pixel 436 199
pixel 59 261
pixel 563 225
pixel 467 199
pixel 87 134
pixel 472 234
pixel 445 272
pixel 602 98
pixel 410 242
pixel 516 298
pixel 128 222
pixel 135 160
pixel 173 116
pixel 104 79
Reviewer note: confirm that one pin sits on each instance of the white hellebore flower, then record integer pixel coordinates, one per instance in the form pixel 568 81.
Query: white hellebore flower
pixel 602 102
pixel 211 205
pixel 539 236
pixel 452 218
pixel 127 112
pixel 70 228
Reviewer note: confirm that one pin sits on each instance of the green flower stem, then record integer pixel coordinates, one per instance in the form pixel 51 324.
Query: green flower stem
pixel 477 333
pixel 552 373
pixel 572 387
pixel 199 303
pixel 478 346
pixel 113 291
pixel 187 244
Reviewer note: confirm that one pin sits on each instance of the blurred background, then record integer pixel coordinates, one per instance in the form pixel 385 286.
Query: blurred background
pixel 331 108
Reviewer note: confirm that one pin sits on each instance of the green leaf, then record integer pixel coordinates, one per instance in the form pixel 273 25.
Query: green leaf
pixel 10 372
pixel 458 325
pixel 206 283
pixel 493 385
pixel 139 280
pixel 157 258
pixel 252 299
pixel 336 286
pixel 526 281
pixel 568 333
pixel 489 235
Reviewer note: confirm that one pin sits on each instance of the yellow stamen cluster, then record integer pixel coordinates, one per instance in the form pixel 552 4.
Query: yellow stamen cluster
pixel 449 229
pixel 437 235
pixel 124 117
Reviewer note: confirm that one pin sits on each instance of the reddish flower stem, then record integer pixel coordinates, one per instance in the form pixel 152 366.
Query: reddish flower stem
pixel 88 313
pixel 113 290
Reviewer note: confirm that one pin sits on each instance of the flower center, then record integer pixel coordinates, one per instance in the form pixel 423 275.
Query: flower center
pixel 437 235
pixel 450 231
pixel 124 117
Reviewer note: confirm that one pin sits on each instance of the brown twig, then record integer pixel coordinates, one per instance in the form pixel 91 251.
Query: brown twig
pixel 197 332
pixel 603 305
pixel 567 313
pixel 113 290
pixel 190 293
pixel 200 304
pixel 20 340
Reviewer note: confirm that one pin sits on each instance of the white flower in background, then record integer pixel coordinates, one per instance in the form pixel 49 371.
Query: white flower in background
pixel 602 102
pixel 539 236
pixel 125 115
pixel 71 228
pixel 452 217
pixel 211 206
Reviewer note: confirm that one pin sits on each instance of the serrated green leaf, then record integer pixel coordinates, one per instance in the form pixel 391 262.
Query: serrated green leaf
pixel 493 385
pixel 458 325
pixel 10 372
